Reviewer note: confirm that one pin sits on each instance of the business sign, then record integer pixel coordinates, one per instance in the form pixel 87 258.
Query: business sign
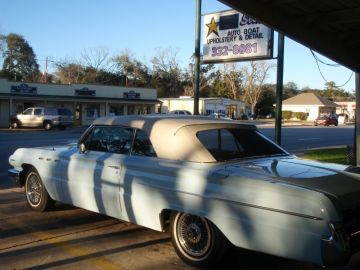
pixel 23 89
pixel 85 92
pixel 233 36
pixel 131 95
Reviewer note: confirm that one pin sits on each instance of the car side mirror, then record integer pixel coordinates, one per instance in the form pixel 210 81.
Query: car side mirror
pixel 82 148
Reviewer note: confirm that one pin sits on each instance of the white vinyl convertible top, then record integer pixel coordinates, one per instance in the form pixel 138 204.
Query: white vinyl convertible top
pixel 174 137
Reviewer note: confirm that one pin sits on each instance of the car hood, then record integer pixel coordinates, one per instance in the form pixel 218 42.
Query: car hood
pixel 338 182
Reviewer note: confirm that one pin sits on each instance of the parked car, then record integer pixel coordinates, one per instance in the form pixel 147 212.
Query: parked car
pixel 326 120
pixel 180 112
pixel 219 116
pixel 43 117
pixel 206 181
pixel 244 117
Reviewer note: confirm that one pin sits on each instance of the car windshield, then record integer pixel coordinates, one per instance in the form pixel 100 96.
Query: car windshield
pixel 233 143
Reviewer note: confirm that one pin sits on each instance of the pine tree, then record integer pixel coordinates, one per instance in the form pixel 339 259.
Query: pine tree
pixel 19 59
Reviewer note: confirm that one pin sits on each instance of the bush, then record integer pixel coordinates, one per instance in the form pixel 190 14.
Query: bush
pixel 300 115
pixel 286 115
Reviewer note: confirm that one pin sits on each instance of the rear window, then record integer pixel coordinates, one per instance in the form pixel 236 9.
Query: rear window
pixel 63 111
pixel 50 111
pixel 232 143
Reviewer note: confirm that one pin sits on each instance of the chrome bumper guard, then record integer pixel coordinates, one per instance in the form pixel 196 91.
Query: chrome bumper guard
pixel 14 175
pixel 337 249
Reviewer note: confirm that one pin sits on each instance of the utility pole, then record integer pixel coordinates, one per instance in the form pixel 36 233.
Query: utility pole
pixel 46 69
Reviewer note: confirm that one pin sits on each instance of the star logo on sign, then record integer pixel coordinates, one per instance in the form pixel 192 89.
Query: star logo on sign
pixel 212 27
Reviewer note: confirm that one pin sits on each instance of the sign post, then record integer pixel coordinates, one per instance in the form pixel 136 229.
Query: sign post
pixel 197 58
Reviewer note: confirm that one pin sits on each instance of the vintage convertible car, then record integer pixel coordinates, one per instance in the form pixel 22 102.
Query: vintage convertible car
pixel 210 182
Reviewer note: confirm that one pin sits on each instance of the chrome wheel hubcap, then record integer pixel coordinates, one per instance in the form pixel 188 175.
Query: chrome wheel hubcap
pixel 194 235
pixel 33 189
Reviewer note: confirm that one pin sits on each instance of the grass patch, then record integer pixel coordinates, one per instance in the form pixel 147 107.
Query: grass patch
pixel 333 155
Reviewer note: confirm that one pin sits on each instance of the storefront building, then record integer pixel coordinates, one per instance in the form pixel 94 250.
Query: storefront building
pixel 87 102
pixel 230 107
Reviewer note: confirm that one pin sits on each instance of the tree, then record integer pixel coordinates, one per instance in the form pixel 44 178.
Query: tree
pixel 331 85
pixel 133 72
pixel 220 87
pixel 233 78
pixel 167 76
pixel 290 89
pixel 70 72
pixel 206 77
pixel 267 100
pixel 254 79
pixel 125 65
pixel 96 58
pixel 2 46
pixel 19 59
pixel 141 75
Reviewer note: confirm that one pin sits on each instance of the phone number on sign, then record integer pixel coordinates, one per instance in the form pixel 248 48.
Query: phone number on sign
pixel 236 49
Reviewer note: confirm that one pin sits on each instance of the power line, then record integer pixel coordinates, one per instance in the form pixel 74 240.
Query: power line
pixel 317 60
pixel 322 62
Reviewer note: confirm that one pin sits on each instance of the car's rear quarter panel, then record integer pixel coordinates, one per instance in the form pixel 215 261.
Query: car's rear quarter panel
pixel 253 214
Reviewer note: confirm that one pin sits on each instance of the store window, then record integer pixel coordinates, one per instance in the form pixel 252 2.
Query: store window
pixel 208 112
pixel 92 111
pixel 148 109
pixel 131 109
pixel 144 109
pixel 77 111
pixel 116 110
pixel 231 111
pixel 19 108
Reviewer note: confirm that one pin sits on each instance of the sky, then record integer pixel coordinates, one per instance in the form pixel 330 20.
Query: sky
pixel 63 29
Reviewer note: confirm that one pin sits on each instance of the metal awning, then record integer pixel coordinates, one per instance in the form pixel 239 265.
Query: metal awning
pixel 330 27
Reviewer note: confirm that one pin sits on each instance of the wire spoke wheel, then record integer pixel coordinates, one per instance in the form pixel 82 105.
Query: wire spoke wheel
pixel 36 194
pixel 33 189
pixel 194 235
pixel 197 240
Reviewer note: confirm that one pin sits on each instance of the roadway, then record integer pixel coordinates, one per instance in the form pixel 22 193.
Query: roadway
pixel 300 138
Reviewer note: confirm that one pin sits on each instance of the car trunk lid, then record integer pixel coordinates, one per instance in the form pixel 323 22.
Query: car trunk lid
pixel 335 181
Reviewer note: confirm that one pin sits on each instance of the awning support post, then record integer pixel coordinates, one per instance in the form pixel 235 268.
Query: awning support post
pixel 279 87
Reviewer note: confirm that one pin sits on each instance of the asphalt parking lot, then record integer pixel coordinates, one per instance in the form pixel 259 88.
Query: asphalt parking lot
pixel 72 238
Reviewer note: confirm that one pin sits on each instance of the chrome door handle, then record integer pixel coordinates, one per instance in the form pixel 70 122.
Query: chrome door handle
pixel 114 167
